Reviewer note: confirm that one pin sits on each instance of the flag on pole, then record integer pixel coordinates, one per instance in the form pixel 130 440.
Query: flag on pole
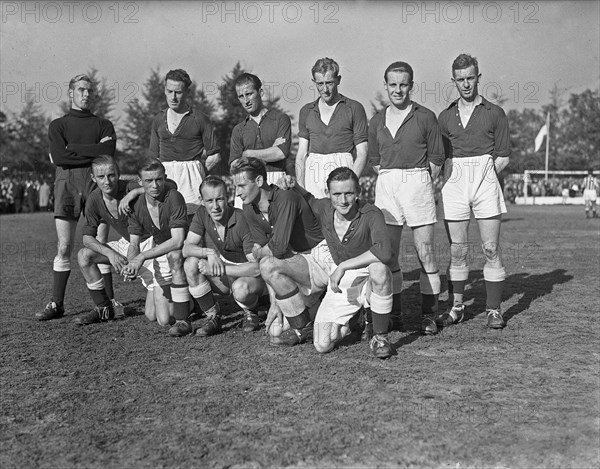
pixel 540 137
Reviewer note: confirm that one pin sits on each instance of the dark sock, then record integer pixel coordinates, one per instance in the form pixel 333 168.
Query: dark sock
pixel 206 302
pixel 298 322
pixel 108 285
pixel 396 304
pixel 494 294
pixel 429 304
pixel 181 309
pixel 381 323
pixel 456 286
pixel 60 286
pixel 99 297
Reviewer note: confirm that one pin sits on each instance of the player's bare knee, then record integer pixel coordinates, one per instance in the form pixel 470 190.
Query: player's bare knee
pixel 84 257
pixel 175 259
pixel 190 267
pixel 491 252
pixel 380 275
pixel 459 253
pixel 240 290
pixel 268 267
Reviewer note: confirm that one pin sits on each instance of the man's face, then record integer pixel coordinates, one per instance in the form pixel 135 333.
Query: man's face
pixel 327 86
pixel 343 195
pixel 176 94
pixel 153 182
pixel 398 86
pixel 250 98
pixel 466 81
pixel 215 201
pixel 81 95
pixel 246 189
pixel 106 178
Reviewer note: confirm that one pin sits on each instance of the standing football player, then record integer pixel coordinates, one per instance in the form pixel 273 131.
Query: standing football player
pixel 265 133
pixel 406 150
pixel 332 131
pixel 477 144
pixel 75 140
pixel 590 188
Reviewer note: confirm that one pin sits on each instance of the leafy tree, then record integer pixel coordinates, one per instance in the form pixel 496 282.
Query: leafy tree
pixel 24 144
pixel 104 100
pixel 581 131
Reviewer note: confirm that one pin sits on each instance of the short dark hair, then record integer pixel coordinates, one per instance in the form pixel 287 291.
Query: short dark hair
pixel 104 160
pixel 343 174
pixel 80 77
pixel 465 61
pixel 325 65
pixel 253 167
pixel 179 75
pixel 246 78
pixel 212 181
pixel 150 164
pixel 399 67
pixel 591 171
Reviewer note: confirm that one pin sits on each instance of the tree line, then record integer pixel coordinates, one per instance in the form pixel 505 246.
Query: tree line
pixel 574 126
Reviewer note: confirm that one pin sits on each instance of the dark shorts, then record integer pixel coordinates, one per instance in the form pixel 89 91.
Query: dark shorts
pixel 71 190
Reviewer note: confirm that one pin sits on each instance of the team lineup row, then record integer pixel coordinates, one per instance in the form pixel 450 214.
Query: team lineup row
pixel 308 243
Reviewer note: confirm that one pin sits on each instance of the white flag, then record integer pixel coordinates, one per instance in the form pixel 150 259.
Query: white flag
pixel 540 138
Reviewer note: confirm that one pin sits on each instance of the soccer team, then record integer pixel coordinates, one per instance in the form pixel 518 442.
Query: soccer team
pixel 307 246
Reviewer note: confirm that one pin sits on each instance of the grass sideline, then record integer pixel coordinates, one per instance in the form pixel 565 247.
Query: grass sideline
pixel 123 394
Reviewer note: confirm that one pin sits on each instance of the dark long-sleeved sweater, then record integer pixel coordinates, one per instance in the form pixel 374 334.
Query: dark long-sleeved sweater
pixel 75 139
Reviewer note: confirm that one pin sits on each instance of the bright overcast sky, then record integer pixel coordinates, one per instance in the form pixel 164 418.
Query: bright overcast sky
pixel 523 47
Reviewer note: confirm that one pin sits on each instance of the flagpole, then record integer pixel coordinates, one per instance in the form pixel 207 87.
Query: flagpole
pixel 547 142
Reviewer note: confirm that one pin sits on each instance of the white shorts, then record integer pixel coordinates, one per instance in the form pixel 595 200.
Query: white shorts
pixel 188 175
pixel 471 183
pixel 406 195
pixel 317 168
pixel 149 269
pixel 319 264
pixel 565 192
pixel 589 195
pixel 272 178
pixel 340 307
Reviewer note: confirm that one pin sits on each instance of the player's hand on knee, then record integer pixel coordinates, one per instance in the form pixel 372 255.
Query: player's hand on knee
pixel 216 266
pixel 119 262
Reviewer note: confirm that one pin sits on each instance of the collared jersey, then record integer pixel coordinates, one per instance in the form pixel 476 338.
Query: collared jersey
pixel 367 231
pixel 347 128
pixel 248 135
pixel 193 134
pixel 291 223
pixel 590 182
pixel 172 213
pixel 238 241
pixel 486 132
pixel 417 142
pixel 96 212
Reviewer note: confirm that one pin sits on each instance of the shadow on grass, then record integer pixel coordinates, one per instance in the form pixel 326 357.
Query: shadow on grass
pixel 529 286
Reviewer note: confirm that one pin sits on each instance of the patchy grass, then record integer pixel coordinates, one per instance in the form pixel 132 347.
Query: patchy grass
pixel 123 394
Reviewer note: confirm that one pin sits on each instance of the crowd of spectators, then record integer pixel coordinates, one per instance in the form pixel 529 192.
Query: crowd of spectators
pixel 26 193
pixel 566 187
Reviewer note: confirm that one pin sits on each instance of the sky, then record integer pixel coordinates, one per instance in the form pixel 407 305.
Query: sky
pixel 524 48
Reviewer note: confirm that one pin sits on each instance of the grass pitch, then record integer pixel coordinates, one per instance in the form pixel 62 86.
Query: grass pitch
pixel 123 394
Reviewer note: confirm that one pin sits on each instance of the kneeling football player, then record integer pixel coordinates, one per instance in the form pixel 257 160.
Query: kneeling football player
pixel 96 258
pixel 359 274
pixel 218 252
pixel 160 213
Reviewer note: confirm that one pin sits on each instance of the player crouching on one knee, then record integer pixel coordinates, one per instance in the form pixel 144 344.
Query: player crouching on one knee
pixel 160 213
pixel 96 258
pixel 359 274
pixel 218 252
